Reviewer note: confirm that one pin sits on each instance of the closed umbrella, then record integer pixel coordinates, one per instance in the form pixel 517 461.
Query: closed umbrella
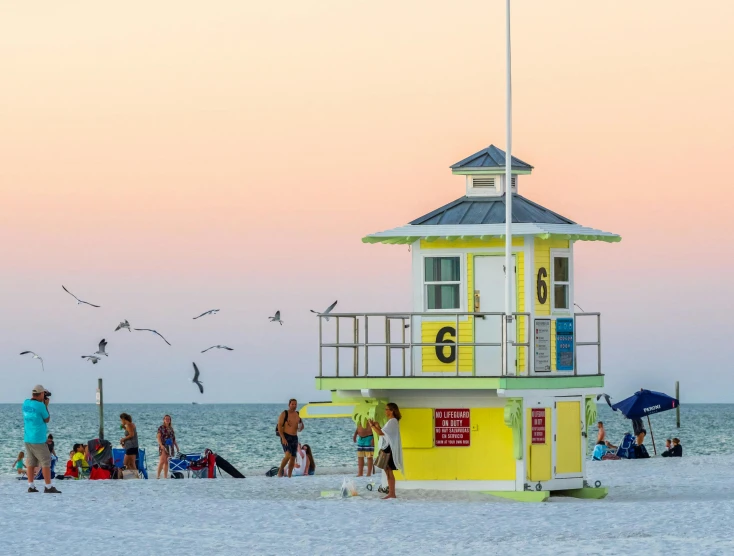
pixel 645 403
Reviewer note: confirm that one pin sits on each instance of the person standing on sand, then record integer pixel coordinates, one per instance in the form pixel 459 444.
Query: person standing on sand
pixel 365 447
pixel 289 425
pixel 129 442
pixel 35 418
pixel 391 444
pixel 166 446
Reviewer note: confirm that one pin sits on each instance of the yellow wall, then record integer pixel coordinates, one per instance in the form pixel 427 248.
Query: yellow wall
pixel 539 455
pixel 568 432
pixel 488 458
pixel 429 329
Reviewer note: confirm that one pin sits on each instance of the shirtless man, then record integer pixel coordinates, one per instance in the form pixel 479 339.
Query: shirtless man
pixel 365 447
pixel 289 425
pixel 601 437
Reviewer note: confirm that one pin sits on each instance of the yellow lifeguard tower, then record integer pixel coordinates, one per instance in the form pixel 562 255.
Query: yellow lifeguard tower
pixel 490 402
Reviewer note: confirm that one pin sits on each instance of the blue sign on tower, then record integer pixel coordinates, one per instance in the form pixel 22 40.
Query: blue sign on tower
pixel 564 344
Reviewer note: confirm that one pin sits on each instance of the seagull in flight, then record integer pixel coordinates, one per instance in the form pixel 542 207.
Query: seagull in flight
pixel 101 350
pixel 218 347
pixel 196 379
pixel 212 312
pixel 93 358
pixel 328 310
pixel 78 301
pixel 154 332
pixel 35 356
pixel 276 318
pixel 607 397
pixel 123 324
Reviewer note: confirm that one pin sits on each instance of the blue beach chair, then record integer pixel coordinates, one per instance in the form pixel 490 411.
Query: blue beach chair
pixel 626 449
pixel 118 456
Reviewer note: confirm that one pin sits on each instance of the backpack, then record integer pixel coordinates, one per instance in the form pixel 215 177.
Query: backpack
pixel 285 418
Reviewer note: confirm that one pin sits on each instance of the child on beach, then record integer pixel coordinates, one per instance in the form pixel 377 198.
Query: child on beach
pixel 20 464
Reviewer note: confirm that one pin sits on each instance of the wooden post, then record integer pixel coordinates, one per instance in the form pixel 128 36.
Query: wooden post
pixel 677 409
pixel 100 403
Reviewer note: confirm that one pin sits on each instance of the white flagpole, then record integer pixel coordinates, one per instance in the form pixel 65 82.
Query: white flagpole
pixel 508 178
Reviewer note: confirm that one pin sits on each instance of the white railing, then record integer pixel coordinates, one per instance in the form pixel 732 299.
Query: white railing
pixel 362 325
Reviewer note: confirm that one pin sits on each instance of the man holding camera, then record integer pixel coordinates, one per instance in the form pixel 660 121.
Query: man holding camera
pixel 35 417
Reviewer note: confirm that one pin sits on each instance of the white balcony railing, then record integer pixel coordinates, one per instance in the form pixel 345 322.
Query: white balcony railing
pixel 402 332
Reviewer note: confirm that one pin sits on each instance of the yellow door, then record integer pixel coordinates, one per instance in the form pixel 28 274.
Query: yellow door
pixel 539 455
pixel 568 439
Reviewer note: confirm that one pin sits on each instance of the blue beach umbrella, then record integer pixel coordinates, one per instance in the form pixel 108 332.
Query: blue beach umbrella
pixel 645 403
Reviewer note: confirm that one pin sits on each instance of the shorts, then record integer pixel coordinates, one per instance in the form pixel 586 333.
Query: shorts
pixel 37 455
pixel 131 451
pixel 291 444
pixel 365 447
pixel 390 462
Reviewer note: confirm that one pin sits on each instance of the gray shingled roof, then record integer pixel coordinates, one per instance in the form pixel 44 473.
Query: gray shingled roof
pixel 491 157
pixel 490 210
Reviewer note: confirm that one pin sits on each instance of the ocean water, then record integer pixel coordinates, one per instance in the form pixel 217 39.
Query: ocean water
pixel 244 434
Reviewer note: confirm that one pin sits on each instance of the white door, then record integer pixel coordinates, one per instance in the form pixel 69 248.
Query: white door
pixel 489 295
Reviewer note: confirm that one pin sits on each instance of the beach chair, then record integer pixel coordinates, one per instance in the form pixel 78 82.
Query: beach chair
pixel 39 475
pixel 204 468
pixel 102 465
pixel 626 448
pixel 118 456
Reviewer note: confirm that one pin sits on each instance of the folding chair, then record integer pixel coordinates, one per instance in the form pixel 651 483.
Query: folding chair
pixel 118 456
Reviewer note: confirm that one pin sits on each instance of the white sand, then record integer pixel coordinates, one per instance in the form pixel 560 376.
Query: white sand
pixel 683 506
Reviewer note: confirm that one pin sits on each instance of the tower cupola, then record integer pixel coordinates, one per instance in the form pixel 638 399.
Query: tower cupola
pixel 485 172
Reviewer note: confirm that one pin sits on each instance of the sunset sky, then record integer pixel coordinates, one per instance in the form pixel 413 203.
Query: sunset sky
pixel 165 158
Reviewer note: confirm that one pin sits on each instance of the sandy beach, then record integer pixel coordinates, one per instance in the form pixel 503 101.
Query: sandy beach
pixel 656 506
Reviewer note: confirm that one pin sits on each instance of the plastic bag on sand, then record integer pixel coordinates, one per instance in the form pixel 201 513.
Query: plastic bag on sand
pixel 348 489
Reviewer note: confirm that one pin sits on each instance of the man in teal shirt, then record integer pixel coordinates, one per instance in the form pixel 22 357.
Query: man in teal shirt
pixel 35 417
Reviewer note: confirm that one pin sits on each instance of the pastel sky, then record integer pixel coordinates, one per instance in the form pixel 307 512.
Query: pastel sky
pixel 165 158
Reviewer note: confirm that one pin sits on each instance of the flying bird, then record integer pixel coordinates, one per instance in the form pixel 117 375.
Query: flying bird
pixel 154 332
pixel 218 347
pixel 93 358
pixel 123 324
pixel 607 397
pixel 35 356
pixel 328 310
pixel 276 318
pixel 101 350
pixel 212 312
pixel 196 379
pixel 78 301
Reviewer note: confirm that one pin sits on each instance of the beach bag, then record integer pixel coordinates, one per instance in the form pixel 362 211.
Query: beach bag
pixel 99 474
pixel 382 459
pixel 130 474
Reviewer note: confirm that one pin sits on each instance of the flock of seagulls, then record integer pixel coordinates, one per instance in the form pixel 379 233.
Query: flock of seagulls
pixel 101 352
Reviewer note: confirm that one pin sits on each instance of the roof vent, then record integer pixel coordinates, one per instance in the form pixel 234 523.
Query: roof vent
pixel 483 181
pixel 514 181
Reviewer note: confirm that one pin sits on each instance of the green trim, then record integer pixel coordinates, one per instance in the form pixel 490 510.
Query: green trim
pixel 587 493
pixel 513 419
pixel 402 240
pixel 591 415
pixel 488 172
pixel 457 383
pixel 520 495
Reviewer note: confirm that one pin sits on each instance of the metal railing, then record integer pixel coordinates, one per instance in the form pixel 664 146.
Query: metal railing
pixel 407 343
pixel 577 344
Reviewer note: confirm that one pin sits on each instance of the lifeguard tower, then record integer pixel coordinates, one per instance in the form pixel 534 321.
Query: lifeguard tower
pixel 490 402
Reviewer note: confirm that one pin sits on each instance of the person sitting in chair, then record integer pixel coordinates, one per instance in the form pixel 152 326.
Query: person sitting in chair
pixel 675 451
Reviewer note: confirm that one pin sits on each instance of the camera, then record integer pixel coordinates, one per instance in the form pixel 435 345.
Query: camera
pixel 46 394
